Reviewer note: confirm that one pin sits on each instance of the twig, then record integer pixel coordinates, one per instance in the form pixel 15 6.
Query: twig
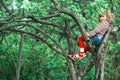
pixel 41 39
pixel 72 14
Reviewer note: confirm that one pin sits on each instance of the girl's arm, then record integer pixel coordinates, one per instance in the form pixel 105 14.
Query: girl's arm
pixel 101 26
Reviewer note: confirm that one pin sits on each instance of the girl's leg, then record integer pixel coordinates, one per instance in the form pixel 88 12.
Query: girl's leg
pixel 86 48
pixel 83 49
pixel 80 42
pixel 96 40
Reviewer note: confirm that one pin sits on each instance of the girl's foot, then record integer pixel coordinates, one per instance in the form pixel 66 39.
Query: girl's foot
pixel 77 56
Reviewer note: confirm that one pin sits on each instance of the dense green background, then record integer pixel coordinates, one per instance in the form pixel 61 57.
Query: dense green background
pixel 39 62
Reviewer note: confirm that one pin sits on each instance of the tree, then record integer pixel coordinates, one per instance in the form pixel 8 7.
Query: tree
pixel 55 24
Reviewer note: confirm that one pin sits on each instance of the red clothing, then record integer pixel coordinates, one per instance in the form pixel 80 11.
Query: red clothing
pixel 80 41
pixel 100 29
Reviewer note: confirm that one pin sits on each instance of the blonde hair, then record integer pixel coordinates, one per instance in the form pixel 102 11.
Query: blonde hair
pixel 108 16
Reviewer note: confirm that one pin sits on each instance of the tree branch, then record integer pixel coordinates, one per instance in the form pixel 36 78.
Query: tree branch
pixel 99 62
pixel 50 16
pixel 72 14
pixel 25 24
pixel 11 26
pixel 92 60
pixel 41 39
pixel 48 36
pixel 69 37
pixel 19 58
pixel 5 7
pixel 70 48
pixel 8 50
pixel 45 22
pixel 30 52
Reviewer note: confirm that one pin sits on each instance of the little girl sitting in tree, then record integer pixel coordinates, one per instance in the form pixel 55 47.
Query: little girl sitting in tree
pixel 95 35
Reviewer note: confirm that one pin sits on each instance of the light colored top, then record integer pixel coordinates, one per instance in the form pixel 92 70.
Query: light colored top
pixel 101 28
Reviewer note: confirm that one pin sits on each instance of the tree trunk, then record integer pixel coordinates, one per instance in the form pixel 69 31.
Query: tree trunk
pixel 71 67
pixel 71 70
pixel 100 57
pixel 99 64
pixel 19 62
pixel 99 67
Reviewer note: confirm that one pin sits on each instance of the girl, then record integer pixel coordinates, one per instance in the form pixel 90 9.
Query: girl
pixel 95 35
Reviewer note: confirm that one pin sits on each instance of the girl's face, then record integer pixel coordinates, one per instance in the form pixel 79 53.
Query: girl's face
pixel 102 18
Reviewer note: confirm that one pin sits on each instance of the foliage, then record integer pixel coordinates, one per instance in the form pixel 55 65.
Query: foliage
pixel 38 61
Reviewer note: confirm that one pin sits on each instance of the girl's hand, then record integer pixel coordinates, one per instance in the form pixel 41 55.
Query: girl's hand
pixel 87 34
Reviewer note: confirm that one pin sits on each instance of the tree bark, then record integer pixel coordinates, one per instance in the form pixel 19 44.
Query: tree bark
pixel 71 70
pixel 19 62
pixel 100 57
pixel 75 18
pixel 70 50
pixel 99 65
